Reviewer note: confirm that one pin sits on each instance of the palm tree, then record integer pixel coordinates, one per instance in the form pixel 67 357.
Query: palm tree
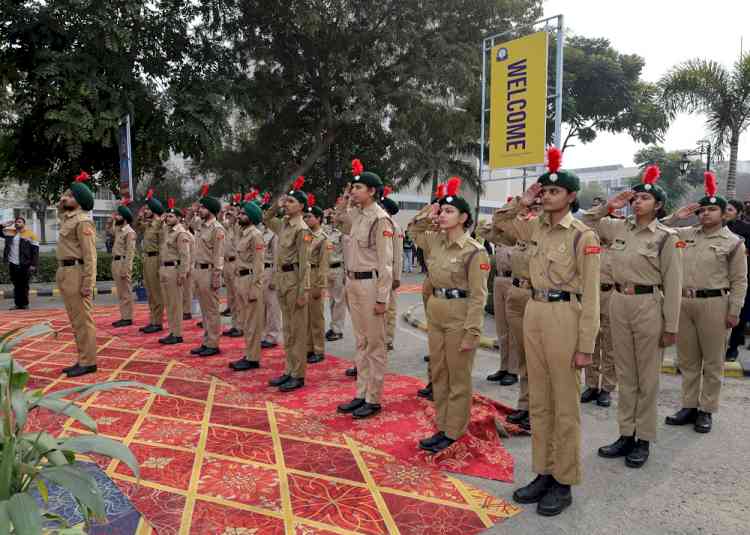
pixel 706 86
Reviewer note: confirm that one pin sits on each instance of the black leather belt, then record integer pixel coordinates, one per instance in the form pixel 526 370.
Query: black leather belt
pixel 231 258
pixel 204 266
pixel 244 272
pixel 171 263
pixel 268 266
pixel 286 268
pixel 153 254
pixel 314 266
pixel 606 287
pixel 118 258
pixel 71 262
pixel 450 293
pixel 634 289
pixel 703 293
pixel 334 265
pixel 506 273
pixel 520 282
pixel 362 275
pixel 552 296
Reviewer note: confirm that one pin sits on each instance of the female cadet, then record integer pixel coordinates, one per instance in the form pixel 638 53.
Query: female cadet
pixel 644 310
pixel 458 268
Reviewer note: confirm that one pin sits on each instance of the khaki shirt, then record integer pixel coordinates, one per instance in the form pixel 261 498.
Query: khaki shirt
pixel 503 246
pixel 209 244
pixel 293 248
pixel 250 255
pixel 371 246
pixel 649 256
pixel 124 246
pixel 232 232
pixel 319 259
pixel 270 239
pixel 462 264
pixel 176 247
pixel 77 241
pixel 152 235
pixel 335 246
pixel 398 250
pixel 564 257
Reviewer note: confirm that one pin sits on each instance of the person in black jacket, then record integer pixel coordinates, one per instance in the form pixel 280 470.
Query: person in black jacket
pixel 735 217
pixel 21 253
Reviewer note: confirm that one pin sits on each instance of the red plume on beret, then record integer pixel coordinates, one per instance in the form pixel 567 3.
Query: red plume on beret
pixel 387 190
pixel 357 168
pixel 83 176
pixel 709 182
pixel 510 198
pixel 204 190
pixel 298 183
pixel 150 194
pixel 126 201
pixel 554 159
pixel 170 203
pixel 266 198
pixel 441 190
pixel 237 198
pixel 651 175
pixel 310 200
pixel 454 184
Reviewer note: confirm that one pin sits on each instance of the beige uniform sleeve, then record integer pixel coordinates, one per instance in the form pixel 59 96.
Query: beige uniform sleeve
pixel 398 254
pixel 384 245
pixel 258 264
pixel 588 257
pixel 671 276
pixel 494 234
pixel 419 229
pixel 271 222
pixel 479 270
pixel 604 226
pixel 303 242
pixel 139 226
pixel 87 238
pixel 343 219
pixel 130 252
pixel 183 250
pixel 219 244
pixel 737 278
pixel 325 259
pixel 506 220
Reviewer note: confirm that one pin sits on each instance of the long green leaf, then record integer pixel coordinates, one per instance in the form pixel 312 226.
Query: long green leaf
pixel 19 402
pixel 87 390
pixel 103 446
pixel 46 444
pixel 25 514
pixel 68 409
pixel 4 519
pixel 35 330
pixel 79 483
pixel 6 467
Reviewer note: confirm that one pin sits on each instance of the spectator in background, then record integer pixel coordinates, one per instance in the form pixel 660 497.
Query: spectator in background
pixel 420 259
pixel 408 255
pixel 109 235
pixel 735 216
pixel 22 256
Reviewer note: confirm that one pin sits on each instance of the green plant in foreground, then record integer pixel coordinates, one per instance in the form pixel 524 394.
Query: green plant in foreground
pixel 30 460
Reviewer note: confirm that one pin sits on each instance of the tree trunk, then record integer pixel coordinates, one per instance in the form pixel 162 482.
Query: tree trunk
pixel 41 214
pixel 734 145
pixel 434 183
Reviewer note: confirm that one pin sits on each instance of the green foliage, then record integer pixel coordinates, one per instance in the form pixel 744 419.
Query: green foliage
pixel 588 193
pixel 31 459
pixel 676 185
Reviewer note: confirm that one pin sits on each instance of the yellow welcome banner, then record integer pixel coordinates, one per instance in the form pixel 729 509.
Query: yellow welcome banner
pixel 518 103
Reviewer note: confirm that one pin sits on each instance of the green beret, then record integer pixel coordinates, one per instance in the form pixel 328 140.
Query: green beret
pixel 458 202
pixel 654 189
pixel 369 179
pixel 155 206
pixel 176 211
pixel 315 210
pixel 83 196
pixel 211 204
pixel 716 200
pixel 125 212
pixel 389 205
pixel 300 196
pixel 252 211
pixel 562 178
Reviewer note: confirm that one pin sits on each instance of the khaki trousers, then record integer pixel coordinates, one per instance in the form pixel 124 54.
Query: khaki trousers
pixel 551 340
pixel 391 314
pixel 173 296
pixel 337 299
pixel 123 285
pixel 426 294
pixel 316 332
pixel 229 276
pixel 508 349
pixel 515 307
pixel 296 325
pixel 209 301
pixel 251 311
pixel 153 288
pixel 450 367
pixel 79 309
pixel 272 331
pixel 701 345
pixel 369 329
pixel 601 374
pixel 637 324
pixel 187 294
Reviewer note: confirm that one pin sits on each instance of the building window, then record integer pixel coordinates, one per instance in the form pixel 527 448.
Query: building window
pixel 407 205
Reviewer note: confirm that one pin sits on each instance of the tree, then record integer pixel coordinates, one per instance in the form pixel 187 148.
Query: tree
pixel 723 95
pixel 603 92
pixel 588 193
pixel 674 183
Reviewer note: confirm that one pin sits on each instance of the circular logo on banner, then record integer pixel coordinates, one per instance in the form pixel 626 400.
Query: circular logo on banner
pixel 502 54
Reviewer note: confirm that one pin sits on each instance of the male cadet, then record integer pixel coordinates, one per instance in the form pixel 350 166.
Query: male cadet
pixel 123 252
pixel 319 259
pixel 272 328
pixel 713 292
pixel 175 265
pixel 368 287
pixel 292 283
pixel 150 225
pixel 231 229
pixel 336 276
pixel 76 271
pixel 560 327
pixel 248 281
pixel 209 263
pixel 391 207
pixel 187 287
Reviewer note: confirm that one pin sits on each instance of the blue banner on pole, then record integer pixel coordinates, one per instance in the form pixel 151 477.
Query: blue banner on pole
pixel 126 160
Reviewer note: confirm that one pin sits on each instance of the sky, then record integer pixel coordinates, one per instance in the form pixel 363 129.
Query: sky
pixel 665 33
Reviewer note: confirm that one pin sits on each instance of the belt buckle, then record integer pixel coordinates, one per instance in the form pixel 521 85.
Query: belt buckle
pixel 554 294
pixel 691 292
pixel 629 289
pixel 452 293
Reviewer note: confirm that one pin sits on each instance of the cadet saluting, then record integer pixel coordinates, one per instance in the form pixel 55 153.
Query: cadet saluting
pixel 715 282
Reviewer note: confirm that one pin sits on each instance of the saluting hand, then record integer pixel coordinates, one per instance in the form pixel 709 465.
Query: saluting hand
pixel 732 321
pixel 620 200
pixel 531 194
pixel 687 211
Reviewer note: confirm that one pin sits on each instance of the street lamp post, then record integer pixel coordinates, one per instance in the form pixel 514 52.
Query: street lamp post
pixel 704 147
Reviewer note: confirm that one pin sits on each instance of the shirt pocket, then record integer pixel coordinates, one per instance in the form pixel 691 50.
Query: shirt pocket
pixel 457 274
pixel 561 269
pixel 650 253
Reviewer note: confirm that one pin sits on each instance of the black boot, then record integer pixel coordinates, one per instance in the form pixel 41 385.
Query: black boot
pixel 703 422
pixel 534 491
pixel 209 352
pixel 351 372
pixel 440 445
pixel 516 417
pixel 244 365
pixel 78 370
pixel 497 375
pixel 426 392
pixel 427 358
pixel 278 381
pixel 351 406
pixel 619 448
pixel 366 410
pixel 509 379
pixel 557 499
pixel 198 350
pixel 122 323
pixel 682 417
pixel 152 329
pixel 187 316
pixel 427 443
pixel 234 332
pixel 639 455
pixel 732 354
pixel 314 358
pixel 604 399
pixel 265 344
pixel 590 394
pixel 171 340
pixel 332 336
pixel 292 384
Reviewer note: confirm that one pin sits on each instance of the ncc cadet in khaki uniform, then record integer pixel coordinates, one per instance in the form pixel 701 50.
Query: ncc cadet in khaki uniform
pixel 292 281
pixel 336 278
pixel 248 282
pixel 458 271
pixel 209 265
pixel 232 231
pixel 391 207
pixel 560 326
pixel 76 271
pixel 150 225
pixel 123 252
pixel 187 287
pixel 601 379
pixel 319 259
pixel 272 330
pixel 644 311
pixel 368 287
pixel 175 265
pixel 715 283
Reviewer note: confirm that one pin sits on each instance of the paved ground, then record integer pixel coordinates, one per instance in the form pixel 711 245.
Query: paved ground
pixel 693 484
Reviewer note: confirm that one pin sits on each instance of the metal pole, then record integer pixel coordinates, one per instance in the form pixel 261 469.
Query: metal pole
pixel 708 156
pixel 484 111
pixel 524 178
pixel 559 81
